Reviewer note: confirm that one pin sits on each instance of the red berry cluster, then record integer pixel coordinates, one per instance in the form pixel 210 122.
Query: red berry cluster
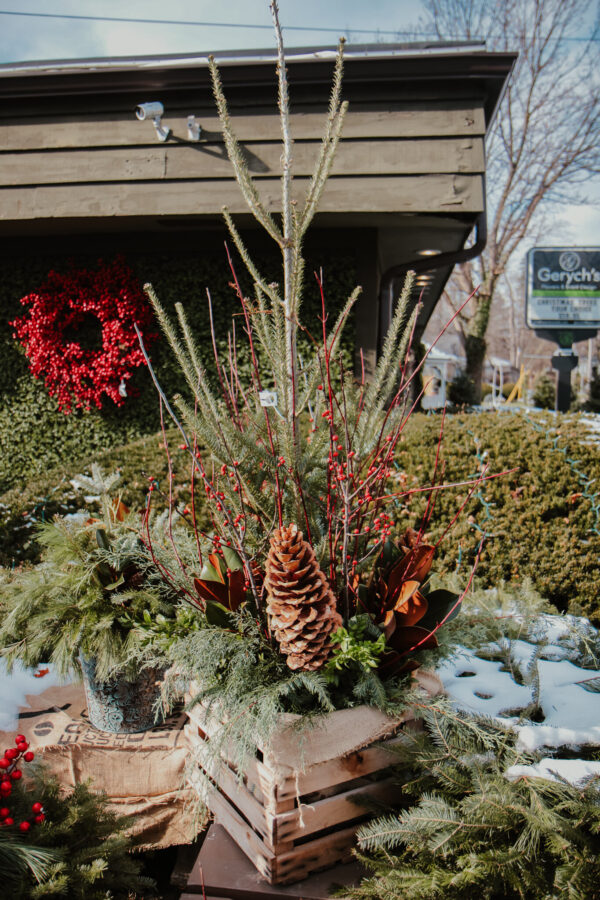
pixel 71 372
pixel 9 773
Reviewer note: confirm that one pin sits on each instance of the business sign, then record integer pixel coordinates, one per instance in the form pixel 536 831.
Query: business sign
pixel 563 287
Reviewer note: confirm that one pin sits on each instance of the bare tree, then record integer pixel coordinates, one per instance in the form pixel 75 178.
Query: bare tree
pixel 544 146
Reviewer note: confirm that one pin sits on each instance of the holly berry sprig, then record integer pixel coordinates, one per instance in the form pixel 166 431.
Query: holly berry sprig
pixel 9 774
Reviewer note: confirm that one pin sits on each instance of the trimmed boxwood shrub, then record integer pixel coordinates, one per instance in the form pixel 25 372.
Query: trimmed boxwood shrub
pixel 539 521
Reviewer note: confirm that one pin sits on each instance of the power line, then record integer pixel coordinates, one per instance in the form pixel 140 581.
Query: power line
pixel 188 22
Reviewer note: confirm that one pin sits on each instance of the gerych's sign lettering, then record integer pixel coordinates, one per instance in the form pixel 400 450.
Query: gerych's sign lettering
pixel 563 287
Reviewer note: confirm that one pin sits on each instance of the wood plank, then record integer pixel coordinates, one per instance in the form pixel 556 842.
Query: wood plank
pixel 341 770
pixel 161 162
pixel 322 814
pixel 418 193
pixel 242 834
pixel 427 119
pixel 314 856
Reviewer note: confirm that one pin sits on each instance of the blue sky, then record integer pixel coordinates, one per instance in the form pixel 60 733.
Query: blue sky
pixel 24 38
pixel 28 38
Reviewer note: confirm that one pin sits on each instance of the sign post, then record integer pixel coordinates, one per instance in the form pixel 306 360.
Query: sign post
pixel 563 305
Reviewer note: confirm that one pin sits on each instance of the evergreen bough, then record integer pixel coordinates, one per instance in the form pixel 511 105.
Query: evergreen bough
pixel 84 847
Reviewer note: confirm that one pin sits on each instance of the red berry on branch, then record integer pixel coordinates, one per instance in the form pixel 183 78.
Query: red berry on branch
pixel 19 738
pixel 22 746
pixel 24 826
pixel 28 756
pixel 11 753
pixel 4 812
pixel 40 818
pixel 37 807
pixel 4 763
pixel 9 821
pixel 16 775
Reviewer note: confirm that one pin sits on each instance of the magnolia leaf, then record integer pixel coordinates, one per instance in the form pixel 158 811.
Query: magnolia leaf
pixel 236 586
pixel 102 539
pixel 115 584
pixel 211 590
pixel 233 561
pixel 412 610
pixel 414 566
pixel 119 510
pixel 210 572
pixel 217 614
pixel 389 554
pixel 413 637
pixel 441 603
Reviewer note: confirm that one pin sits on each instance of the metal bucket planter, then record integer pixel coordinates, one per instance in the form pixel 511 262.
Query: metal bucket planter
pixel 120 706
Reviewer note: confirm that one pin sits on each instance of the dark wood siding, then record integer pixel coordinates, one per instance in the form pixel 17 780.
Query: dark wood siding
pixel 395 157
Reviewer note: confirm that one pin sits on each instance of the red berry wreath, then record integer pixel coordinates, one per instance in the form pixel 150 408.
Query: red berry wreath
pixel 63 310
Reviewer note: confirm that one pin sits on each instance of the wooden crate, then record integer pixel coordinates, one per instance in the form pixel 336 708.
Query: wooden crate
pixel 295 809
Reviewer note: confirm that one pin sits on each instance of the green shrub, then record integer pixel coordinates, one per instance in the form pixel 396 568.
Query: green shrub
pixel 544 392
pixel 44 496
pixel 461 390
pixel 539 521
pixel 486 390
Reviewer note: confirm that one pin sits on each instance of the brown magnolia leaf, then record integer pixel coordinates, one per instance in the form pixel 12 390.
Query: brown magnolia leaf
pixel 404 640
pixel 406 592
pixel 414 566
pixel 412 610
pixel 212 590
pixel 237 592
pixel 120 511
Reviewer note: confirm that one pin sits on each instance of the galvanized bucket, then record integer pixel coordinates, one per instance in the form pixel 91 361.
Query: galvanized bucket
pixel 120 706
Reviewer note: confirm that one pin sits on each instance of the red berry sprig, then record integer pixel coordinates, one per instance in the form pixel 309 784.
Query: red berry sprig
pixel 10 772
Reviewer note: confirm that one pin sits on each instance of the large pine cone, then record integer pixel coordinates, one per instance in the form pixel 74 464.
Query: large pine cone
pixel 301 607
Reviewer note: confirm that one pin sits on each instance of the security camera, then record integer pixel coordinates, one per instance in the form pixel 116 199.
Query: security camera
pixel 149 111
pixel 153 111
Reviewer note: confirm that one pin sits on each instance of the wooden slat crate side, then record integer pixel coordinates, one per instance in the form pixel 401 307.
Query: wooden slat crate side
pixel 314 856
pixel 244 836
pixel 331 811
pixel 340 770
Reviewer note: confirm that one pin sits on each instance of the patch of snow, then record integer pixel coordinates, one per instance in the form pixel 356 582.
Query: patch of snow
pixel 571 714
pixel 14 688
pixel 575 771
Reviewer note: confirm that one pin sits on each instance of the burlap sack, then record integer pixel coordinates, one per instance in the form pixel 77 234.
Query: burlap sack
pixel 142 774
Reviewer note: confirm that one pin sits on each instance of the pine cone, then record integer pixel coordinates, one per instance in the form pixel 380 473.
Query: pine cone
pixel 301 607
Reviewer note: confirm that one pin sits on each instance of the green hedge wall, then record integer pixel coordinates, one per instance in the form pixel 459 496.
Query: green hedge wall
pixel 36 436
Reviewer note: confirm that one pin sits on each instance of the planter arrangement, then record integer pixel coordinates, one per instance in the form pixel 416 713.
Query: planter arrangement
pixel 302 613
pixel 87 606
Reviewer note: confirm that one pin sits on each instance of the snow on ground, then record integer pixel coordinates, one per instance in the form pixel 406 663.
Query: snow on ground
pixel 575 771
pixel 15 687
pixel 535 678
pixel 571 713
